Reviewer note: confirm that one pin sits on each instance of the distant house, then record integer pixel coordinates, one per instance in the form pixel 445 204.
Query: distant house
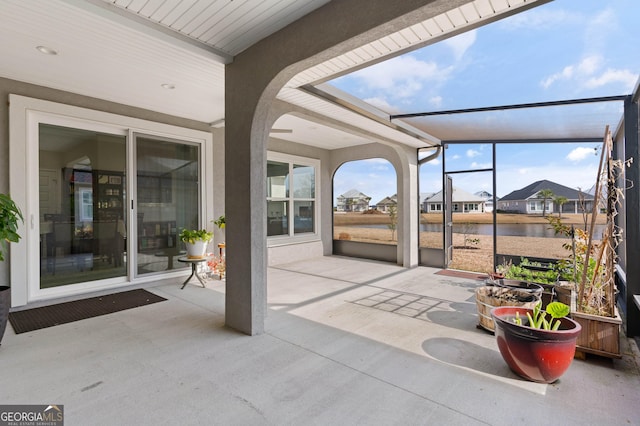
pixel 526 200
pixel 352 201
pixel 387 202
pixel 462 202
pixel 424 196
pixel 488 200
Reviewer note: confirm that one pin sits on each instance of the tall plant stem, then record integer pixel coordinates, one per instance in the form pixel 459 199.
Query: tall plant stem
pixel 594 214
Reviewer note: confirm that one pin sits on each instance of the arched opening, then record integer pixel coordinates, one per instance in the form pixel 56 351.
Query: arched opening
pixel 365 209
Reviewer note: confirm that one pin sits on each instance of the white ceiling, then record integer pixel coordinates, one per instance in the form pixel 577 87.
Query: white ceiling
pixel 125 51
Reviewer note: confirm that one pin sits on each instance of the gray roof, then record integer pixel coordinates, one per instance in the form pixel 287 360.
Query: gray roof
pixel 389 200
pixel 459 195
pixel 354 193
pixel 558 190
pixel 424 196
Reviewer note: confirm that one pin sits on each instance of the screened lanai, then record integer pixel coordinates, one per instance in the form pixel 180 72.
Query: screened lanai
pixel 565 121
pixel 537 126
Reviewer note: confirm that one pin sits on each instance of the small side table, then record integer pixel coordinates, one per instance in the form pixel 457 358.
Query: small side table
pixel 194 269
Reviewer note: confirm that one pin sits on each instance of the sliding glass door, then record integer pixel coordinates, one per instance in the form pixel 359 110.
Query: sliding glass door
pixel 167 200
pixel 83 200
pixel 82 196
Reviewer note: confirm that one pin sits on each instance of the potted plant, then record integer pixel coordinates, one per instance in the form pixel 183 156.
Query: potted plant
pixel 590 269
pixel 532 272
pixel 220 222
pixel 10 216
pixel 534 347
pixel 195 241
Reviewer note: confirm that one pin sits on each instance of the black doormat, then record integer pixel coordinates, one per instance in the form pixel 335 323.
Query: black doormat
pixel 63 313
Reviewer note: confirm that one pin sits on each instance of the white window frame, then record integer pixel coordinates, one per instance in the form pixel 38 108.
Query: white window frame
pixel 25 116
pixel 84 214
pixel 291 237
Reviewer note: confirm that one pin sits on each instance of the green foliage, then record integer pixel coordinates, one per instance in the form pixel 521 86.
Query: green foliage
pixel 523 273
pixel 468 241
pixel 537 319
pixel 471 241
pixel 545 194
pixel 10 215
pixel 571 268
pixel 393 220
pixel 220 222
pixel 192 235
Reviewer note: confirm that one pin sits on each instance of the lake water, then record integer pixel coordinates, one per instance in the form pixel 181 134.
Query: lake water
pixel 509 229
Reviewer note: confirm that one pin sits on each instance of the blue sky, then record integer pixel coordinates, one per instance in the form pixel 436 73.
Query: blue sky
pixel 566 49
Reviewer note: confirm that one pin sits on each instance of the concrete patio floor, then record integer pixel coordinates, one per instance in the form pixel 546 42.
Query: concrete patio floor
pixel 347 342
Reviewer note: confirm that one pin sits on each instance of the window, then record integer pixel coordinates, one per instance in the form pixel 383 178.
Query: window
pixel 291 196
pixel 471 207
pixel 86 204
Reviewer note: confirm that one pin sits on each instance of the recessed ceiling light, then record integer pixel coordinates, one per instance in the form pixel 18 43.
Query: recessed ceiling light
pixel 47 50
pixel 168 86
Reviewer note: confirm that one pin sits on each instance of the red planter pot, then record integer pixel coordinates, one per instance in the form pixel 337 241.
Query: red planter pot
pixel 537 355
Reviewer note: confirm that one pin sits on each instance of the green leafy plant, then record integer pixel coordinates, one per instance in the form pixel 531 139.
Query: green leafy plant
pixel 393 221
pixel 10 215
pixel 537 319
pixel 192 235
pixel 529 271
pixel 220 222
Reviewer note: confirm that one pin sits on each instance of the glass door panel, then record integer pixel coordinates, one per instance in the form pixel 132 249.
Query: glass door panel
pixel 168 200
pixel 82 198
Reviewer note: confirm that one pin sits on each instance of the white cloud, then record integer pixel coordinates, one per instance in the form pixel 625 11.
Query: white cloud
pixel 461 43
pixel 472 153
pixel 587 75
pixel 376 162
pixel 585 68
pixel 401 77
pixel 597 30
pixel 475 165
pixel 436 101
pixel 580 154
pixel 589 64
pixel 382 104
pixel 565 74
pixel 611 76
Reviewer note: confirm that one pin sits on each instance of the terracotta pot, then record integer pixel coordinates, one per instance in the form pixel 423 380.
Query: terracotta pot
pixel 537 355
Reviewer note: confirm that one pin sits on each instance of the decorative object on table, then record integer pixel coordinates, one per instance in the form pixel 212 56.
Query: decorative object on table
pixel 591 266
pixel 196 241
pixel 217 265
pixel 10 216
pixel 533 346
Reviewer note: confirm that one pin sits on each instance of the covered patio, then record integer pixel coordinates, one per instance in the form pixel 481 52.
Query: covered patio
pixel 361 342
